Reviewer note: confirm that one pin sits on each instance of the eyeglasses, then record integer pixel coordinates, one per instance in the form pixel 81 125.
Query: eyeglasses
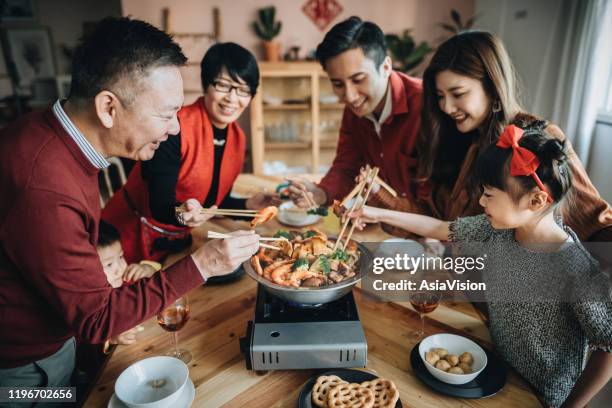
pixel 227 88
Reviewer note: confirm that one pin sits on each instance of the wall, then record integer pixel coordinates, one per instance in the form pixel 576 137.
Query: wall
pixel 65 20
pixel 393 16
pixel 533 32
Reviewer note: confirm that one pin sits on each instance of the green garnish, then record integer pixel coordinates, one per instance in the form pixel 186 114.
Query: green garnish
pixel 282 234
pixel 322 211
pixel 310 234
pixel 301 263
pixel 325 267
pixel 340 255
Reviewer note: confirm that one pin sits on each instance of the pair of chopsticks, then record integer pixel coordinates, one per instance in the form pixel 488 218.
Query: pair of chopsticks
pixel 220 235
pixel 359 187
pixel 371 175
pixel 225 212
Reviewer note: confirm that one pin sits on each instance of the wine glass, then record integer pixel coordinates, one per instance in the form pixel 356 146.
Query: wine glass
pixel 424 302
pixel 172 319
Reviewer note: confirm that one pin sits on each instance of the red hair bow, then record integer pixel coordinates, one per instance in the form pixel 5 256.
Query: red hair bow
pixel 523 162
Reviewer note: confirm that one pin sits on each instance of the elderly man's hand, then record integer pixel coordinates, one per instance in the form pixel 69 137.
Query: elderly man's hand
pixel 223 256
pixel 190 214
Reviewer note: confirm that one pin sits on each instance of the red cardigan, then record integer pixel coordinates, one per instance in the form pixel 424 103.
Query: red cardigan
pixel 53 285
pixel 392 152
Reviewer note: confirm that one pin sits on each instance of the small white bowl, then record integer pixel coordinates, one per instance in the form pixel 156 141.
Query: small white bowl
pixel 292 215
pixel 455 345
pixel 134 385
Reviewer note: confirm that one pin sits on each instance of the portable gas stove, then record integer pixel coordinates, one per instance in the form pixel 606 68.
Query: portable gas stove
pixel 292 336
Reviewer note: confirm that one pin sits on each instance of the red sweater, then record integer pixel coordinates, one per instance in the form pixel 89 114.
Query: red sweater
pixel 52 283
pixel 392 152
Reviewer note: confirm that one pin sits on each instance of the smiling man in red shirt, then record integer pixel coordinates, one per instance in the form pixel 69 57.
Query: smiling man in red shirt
pixel 381 119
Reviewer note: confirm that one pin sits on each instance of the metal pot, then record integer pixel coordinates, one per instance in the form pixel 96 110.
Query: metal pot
pixel 314 296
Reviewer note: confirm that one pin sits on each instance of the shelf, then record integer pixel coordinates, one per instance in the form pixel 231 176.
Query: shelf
pixel 328 144
pixel 287 145
pixel 287 106
pixel 331 105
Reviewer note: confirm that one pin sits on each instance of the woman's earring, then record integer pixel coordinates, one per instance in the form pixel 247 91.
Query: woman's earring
pixel 496 106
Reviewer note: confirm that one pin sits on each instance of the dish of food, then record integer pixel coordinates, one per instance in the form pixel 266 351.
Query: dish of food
pixel 306 259
pixel 349 388
pixel 451 363
pixel 291 215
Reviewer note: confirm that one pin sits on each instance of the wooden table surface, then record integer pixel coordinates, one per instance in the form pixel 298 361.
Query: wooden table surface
pixel 219 316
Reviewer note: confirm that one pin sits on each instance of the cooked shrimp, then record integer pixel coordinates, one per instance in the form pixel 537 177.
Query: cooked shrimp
pixel 263 257
pixel 297 277
pixel 267 272
pixel 264 215
pixel 256 265
pixel 281 275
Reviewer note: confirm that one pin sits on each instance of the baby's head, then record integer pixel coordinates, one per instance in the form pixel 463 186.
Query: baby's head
pixel 513 196
pixel 111 254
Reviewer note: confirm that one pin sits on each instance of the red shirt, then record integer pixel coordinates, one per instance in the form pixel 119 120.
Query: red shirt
pixel 52 283
pixel 392 152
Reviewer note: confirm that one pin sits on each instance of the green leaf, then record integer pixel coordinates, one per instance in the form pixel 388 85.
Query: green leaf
pixel 301 263
pixel 456 17
pixel 282 234
pixel 340 255
pixel 309 234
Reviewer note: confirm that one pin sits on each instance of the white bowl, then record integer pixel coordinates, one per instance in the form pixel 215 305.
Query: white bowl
pixel 290 214
pixel 134 389
pixel 393 246
pixel 455 345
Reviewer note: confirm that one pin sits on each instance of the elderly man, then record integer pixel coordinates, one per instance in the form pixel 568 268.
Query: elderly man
pixel 126 91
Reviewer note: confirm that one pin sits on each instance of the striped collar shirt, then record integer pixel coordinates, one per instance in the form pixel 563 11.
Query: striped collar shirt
pixel 95 158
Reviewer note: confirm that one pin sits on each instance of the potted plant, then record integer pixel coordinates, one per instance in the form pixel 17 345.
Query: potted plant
pixel 404 51
pixel 267 29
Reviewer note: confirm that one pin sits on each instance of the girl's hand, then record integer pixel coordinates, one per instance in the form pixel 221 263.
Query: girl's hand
pixel 366 215
pixel 262 200
pixel 125 338
pixel 136 272
pixel 191 215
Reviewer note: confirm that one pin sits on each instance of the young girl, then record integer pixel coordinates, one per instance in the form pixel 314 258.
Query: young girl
pixel 523 179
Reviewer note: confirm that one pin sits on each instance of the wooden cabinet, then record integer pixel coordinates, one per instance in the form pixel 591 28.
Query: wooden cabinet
pixel 294 119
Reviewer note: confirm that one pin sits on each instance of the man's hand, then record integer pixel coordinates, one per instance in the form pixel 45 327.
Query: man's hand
pixel 191 214
pixel 223 256
pixel 128 337
pixel 298 188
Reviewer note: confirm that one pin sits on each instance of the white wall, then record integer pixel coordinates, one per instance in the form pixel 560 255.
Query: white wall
pixel 533 32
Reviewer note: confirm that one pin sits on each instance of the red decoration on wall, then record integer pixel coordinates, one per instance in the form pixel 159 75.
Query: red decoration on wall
pixel 322 12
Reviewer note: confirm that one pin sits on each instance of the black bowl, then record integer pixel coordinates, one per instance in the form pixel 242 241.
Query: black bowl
pixel 489 382
pixel 230 277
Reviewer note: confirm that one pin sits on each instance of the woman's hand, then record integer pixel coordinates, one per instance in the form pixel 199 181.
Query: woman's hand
pixel 262 200
pixel 191 215
pixel 362 217
pixel 136 272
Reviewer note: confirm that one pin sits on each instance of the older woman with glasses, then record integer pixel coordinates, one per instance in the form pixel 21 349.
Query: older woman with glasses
pixel 195 168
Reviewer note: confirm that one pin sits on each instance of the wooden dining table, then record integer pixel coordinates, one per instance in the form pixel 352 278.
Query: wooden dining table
pixel 219 315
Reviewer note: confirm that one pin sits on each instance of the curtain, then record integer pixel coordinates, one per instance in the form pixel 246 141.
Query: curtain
pixel 586 72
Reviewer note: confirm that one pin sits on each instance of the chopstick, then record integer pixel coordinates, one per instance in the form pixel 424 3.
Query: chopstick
pixel 309 200
pixel 371 176
pixel 356 189
pixel 220 235
pixel 383 184
pixel 365 199
pixel 222 211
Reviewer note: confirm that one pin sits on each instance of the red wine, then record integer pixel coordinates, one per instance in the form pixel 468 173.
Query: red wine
pixel 424 302
pixel 173 318
pixel 424 307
